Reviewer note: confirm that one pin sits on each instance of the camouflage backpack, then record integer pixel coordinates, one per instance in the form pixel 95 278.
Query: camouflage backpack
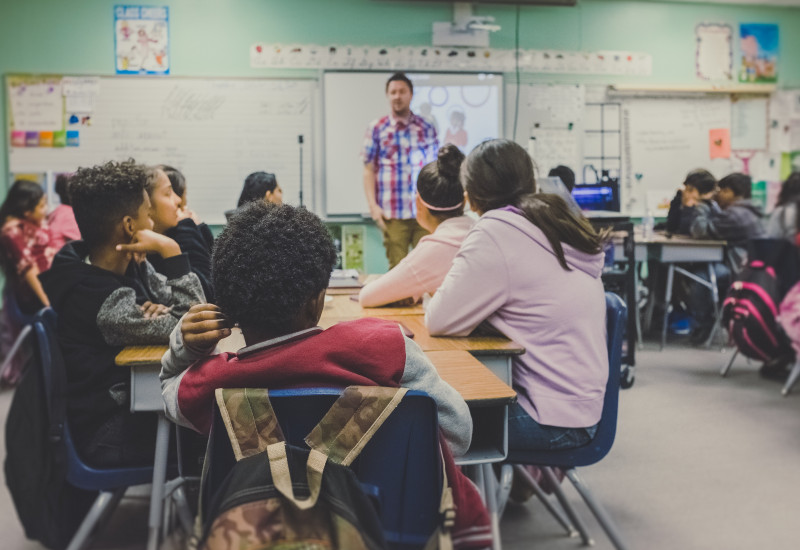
pixel 276 495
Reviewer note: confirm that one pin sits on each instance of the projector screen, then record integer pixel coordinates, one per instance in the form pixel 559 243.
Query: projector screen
pixel 465 109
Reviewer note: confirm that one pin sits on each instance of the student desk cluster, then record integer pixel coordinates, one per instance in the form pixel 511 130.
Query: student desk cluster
pixel 479 368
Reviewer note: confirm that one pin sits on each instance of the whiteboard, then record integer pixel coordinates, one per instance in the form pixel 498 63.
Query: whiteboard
pixel 354 99
pixel 663 140
pixel 216 131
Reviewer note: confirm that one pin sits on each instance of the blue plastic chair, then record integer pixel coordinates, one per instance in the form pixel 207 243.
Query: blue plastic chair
pixel 110 483
pixel 400 468
pixel 19 318
pixel 569 459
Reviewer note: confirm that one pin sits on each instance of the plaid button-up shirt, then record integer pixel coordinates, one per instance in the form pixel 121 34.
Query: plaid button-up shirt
pixel 398 151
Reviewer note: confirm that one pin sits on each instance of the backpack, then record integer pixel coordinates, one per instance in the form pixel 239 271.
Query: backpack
pixel 282 496
pixel 750 311
pixel 49 508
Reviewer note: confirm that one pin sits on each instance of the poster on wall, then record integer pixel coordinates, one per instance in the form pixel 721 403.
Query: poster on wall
pixel 141 39
pixel 714 54
pixel 759 46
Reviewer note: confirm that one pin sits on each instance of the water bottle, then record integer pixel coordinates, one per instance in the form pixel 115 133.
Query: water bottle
pixel 647 225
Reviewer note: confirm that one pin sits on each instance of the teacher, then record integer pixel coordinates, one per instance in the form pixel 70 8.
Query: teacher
pixel 396 148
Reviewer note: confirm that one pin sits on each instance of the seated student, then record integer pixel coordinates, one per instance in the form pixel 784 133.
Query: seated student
pixel 271 268
pixel 531 269
pixel 565 174
pixel 168 220
pixel 101 309
pixel 25 239
pixel 63 227
pixel 26 251
pixel 258 186
pixel 783 222
pixel 440 210
pixel 699 186
pixel 178 182
pixel 732 217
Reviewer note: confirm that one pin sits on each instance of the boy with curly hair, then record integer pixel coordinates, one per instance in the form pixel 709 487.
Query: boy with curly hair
pixel 108 296
pixel 271 267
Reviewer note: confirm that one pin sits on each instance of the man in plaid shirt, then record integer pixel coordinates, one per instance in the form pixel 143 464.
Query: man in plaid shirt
pixel 396 147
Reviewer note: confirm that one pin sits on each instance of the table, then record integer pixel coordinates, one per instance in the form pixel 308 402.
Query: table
pixel 486 395
pixel 671 250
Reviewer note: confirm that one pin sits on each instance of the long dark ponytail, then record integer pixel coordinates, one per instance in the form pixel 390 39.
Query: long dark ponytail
pixel 499 173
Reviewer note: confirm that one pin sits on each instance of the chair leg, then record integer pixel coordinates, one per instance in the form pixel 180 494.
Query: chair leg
pixel 103 504
pixel 597 509
pixel 555 512
pixel 793 376
pixel 562 499
pixel 184 513
pixel 724 372
pixel 23 334
pixel 504 487
pixel 490 486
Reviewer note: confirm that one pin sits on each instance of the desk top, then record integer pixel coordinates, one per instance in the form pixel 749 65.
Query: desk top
pixel 679 240
pixel 477 345
pixel 468 376
pixel 343 307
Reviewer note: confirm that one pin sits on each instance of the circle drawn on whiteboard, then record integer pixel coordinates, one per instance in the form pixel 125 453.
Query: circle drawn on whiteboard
pixel 438 96
pixel 475 96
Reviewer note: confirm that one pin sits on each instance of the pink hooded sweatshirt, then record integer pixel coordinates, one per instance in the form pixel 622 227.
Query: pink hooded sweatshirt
pixel 507 274
pixel 423 270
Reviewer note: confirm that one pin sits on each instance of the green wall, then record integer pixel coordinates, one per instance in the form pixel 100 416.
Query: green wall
pixel 212 37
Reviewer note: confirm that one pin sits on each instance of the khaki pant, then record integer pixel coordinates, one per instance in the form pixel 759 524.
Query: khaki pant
pixel 399 236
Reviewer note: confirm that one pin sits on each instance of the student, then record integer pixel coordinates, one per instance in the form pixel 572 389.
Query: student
pixel 26 251
pixel 63 227
pixel 732 217
pixel 566 175
pixel 783 222
pixel 178 182
pixel 258 186
pixel 699 186
pixel 440 210
pixel 101 309
pixel 168 220
pixel 531 269
pixel 26 245
pixel 271 268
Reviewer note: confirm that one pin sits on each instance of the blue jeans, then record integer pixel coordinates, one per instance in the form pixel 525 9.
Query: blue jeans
pixel 525 434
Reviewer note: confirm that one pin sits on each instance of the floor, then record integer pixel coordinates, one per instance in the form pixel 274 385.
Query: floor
pixel 700 462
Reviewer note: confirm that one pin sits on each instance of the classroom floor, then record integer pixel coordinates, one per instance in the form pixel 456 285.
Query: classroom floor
pixel 700 462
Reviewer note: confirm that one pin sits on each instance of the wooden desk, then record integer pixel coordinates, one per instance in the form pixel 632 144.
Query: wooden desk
pixel 343 307
pixel 680 249
pixel 486 395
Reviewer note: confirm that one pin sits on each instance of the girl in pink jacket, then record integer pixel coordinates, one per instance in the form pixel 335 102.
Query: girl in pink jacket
pixel 440 210
pixel 531 269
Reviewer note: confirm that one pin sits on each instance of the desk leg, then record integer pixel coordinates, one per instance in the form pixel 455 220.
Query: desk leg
pixel 159 479
pixel 712 277
pixel 667 304
pixel 490 486
pixel 635 311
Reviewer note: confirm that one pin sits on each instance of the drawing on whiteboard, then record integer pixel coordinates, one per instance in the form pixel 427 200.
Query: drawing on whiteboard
pixel 456 134
pixel 141 36
pixel 759 45
pixel 183 104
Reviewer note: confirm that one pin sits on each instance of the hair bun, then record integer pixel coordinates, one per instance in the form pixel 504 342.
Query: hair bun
pixel 449 161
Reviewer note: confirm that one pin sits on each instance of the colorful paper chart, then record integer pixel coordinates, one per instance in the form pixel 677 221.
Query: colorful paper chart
pixel 73 138
pixel 719 143
pixel 45 139
pixel 31 139
pixel 17 138
pixel 60 139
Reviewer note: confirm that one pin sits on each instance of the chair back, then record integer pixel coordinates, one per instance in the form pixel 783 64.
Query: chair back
pixel 400 467
pixel 598 447
pixel 81 475
pixel 13 310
